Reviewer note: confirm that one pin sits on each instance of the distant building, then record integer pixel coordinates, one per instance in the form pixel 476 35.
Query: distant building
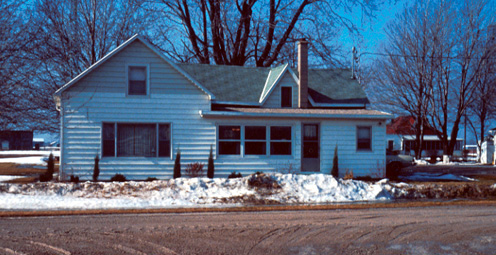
pixel 16 140
pixel 400 136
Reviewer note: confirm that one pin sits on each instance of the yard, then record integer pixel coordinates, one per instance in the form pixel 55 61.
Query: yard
pixel 440 182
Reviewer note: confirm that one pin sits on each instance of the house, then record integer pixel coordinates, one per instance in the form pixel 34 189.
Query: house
pixel 400 135
pixel 136 109
pixel 16 140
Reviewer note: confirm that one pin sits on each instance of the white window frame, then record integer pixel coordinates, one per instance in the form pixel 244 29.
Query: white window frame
pixel 147 66
pixel 137 123
pixel 371 139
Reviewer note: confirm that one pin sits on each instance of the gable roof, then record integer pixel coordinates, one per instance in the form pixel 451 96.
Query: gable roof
pixel 252 85
pixel 119 49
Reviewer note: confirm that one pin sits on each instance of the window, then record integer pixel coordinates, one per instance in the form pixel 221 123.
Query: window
pixel 390 145
pixel 364 138
pixel 255 140
pixel 280 140
pixel 136 140
pixel 286 97
pixel 108 139
pixel 229 140
pixel 137 80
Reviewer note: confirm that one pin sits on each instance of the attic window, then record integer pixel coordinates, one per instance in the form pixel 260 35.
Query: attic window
pixel 286 96
pixel 137 80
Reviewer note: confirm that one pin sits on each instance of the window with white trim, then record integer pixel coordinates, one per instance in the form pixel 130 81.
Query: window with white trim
pixel 255 140
pixel 137 80
pixel 136 140
pixel 229 140
pixel 280 140
pixel 364 138
pixel 286 97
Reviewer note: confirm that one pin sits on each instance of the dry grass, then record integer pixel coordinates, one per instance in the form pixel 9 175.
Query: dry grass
pixel 29 171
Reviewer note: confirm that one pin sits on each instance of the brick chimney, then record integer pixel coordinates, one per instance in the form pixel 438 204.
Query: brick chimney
pixel 303 73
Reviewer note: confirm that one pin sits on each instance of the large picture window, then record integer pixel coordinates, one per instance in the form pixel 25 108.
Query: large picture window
pixel 364 138
pixel 137 80
pixel 255 140
pixel 136 140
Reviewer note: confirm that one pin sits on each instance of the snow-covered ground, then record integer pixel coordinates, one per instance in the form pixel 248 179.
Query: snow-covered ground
pixel 186 192
pixel 34 160
pixel 4 178
pixel 34 152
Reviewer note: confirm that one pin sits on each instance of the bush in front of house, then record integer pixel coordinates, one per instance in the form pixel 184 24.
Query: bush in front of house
pixel 74 179
pixel 210 169
pixel 234 175
pixel 261 180
pixel 177 165
pixel 96 169
pixel 48 175
pixel 335 168
pixel 195 170
pixel 118 178
pixel 150 179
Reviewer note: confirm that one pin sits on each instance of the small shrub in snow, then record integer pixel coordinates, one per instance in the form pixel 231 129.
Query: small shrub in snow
pixel 234 175
pixel 96 169
pixel 150 179
pixel 348 175
pixel 48 176
pixel 177 165
pixel 195 169
pixel 261 180
pixel 74 179
pixel 335 169
pixel 210 168
pixel 118 178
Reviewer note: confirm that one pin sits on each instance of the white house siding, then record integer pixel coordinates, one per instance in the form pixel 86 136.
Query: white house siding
pixel 343 133
pixel 101 97
pixel 340 132
pixel 397 140
pixel 274 98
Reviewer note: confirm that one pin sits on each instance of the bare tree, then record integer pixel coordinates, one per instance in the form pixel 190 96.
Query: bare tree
pixel 72 36
pixel 254 32
pixel 407 72
pixel 434 63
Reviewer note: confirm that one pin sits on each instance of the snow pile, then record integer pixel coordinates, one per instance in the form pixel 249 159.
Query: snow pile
pixel 4 178
pixel 34 160
pixel 187 192
pixel 425 177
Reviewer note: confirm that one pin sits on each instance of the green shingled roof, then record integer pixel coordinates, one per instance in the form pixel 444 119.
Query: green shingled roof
pixel 248 84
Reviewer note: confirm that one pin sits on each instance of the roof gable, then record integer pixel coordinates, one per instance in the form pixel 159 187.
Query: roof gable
pixel 274 77
pixel 119 49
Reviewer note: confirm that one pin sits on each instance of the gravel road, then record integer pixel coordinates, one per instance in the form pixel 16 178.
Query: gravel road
pixel 428 230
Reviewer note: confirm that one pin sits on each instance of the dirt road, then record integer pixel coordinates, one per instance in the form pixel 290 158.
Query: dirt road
pixel 429 230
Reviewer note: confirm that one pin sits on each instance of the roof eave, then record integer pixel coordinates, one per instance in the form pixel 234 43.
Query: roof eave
pixel 217 114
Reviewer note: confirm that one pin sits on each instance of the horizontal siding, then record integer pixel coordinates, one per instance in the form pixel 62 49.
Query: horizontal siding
pixel 274 98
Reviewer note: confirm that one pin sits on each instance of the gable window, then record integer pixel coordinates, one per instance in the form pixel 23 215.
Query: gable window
pixel 364 138
pixel 137 80
pixel 136 140
pixel 286 97
pixel 280 140
pixel 255 143
pixel 229 140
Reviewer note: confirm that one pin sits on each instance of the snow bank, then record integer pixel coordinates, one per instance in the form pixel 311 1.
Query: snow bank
pixel 35 160
pixel 41 153
pixel 186 192
pixel 4 178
